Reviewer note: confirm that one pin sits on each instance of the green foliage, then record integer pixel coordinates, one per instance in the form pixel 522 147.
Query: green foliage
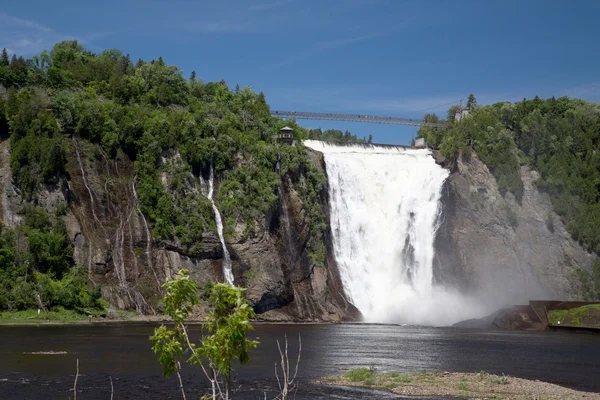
pixel 588 315
pixel 336 135
pixel 57 315
pixel 596 279
pixel 560 138
pixel 471 101
pixel 225 329
pixel 359 374
pixel 36 259
pixel 227 324
pixel 152 114
pixel 175 131
pixel 320 255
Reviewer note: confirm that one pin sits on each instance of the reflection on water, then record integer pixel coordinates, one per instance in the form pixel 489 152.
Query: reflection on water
pixel 124 350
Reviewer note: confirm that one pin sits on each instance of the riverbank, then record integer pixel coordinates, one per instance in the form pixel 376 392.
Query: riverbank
pixel 64 317
pixel 587 316
pixel 461 385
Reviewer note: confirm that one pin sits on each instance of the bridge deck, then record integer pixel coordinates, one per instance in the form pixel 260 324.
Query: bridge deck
pixel 353 118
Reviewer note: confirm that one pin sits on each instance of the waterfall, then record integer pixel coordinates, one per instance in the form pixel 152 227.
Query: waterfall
pixel 208 192
pixel 148 235
pixel 385 209
pixel 85 183
pixel 287 231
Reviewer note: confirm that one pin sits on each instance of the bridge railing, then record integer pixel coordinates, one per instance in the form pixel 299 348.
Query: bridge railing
pixel 354 118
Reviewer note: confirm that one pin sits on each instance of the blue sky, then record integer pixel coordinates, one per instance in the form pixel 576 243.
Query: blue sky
pixel 380 57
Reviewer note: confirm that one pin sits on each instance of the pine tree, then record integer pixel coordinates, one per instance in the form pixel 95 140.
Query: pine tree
pixel 4 58
pixel 193 76
pixel 471 101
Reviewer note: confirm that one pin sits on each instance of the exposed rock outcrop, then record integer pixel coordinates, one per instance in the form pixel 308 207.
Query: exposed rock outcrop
pixel 111 239
pixel 507 251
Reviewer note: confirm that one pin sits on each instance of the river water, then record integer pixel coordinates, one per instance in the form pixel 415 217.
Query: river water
pixel 122 351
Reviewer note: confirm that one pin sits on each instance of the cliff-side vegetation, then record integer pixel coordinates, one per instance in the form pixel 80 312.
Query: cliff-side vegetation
pixel 560 138
pixel 150 113
pixel 336 135
pixel 36 267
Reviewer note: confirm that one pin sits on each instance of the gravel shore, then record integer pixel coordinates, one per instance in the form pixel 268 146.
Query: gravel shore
pixel 460 385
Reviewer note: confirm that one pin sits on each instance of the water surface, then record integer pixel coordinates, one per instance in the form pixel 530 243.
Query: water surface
pixel 122 351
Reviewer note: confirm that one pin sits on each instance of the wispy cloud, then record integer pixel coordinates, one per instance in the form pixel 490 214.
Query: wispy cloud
pixel 27 37
pixel 323 46
pixel 409 104
pixel 372 99
pixel 428 104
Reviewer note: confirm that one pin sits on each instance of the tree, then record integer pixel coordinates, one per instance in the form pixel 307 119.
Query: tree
pixel 452 112
pixel 471 101
pixel 4 58
pixel 193 76
pixel 370 139
pixel 226 326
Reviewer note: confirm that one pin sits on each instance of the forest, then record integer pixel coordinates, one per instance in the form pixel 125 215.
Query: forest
pixel 559 138
pixel 141 110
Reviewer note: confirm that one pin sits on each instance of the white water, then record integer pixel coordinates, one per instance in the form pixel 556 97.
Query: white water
pixel 148 235
pixel 208 192
pixel 287 230
pixel 385 211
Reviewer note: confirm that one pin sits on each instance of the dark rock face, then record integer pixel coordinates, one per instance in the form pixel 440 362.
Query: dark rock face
pixel 283 282
pixel 112 240
pixel 505 251
pixel 513 318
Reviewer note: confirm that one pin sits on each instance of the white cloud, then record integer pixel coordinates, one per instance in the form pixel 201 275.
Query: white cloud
pixel 27 37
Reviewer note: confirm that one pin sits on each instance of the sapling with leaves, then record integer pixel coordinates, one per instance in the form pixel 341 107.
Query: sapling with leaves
pixel 224 333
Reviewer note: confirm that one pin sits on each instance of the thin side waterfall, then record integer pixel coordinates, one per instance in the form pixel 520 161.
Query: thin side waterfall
pixel 287 231
pixel 85 183
pixel 385 209
pixel 148 235
pixel 91 200
pixel 208 192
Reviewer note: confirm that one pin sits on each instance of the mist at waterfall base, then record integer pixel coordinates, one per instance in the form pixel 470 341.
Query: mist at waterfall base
pixel 384 213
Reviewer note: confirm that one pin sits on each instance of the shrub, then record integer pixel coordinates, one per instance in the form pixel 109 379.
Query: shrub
pixel 359 374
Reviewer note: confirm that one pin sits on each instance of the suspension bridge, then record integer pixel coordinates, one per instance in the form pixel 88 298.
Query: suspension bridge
pixel 354 118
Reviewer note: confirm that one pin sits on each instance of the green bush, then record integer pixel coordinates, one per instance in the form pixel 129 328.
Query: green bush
pixel 556 137
pixel 359 374
pixel 174 130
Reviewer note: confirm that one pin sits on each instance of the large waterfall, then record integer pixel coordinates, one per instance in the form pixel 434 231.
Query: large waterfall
pixel 385 211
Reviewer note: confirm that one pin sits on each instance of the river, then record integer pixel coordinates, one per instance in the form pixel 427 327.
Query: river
pixel 122 351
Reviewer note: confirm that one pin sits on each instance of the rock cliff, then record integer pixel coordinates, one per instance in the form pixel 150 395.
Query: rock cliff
pixel 506 251
pixel 112 240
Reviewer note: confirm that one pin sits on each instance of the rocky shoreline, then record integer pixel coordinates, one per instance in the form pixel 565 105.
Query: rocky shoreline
pixel 479 385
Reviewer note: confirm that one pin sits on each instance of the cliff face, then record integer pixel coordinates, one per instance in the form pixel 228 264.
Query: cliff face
pixel 283 282
pixel 112 240
pixel 505 251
